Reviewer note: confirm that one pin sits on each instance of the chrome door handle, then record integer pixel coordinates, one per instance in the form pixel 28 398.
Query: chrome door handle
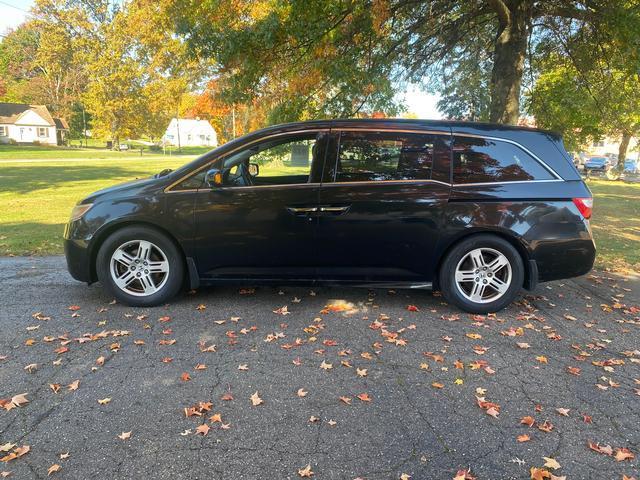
pixel 334 209
pixel 300 210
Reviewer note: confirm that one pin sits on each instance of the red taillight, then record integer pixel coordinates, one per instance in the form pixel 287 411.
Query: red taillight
pixel 585 205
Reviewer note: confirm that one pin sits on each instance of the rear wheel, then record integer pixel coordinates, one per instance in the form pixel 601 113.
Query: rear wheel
pixel 482 274
pixel 140 266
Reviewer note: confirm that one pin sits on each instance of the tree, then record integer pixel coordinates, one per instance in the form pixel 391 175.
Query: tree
pixel 589 83
pixel 328 57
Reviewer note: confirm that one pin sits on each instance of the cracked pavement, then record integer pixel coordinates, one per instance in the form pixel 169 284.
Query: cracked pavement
pixel 410 426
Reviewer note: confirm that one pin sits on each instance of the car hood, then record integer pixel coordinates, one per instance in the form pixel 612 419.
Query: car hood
pixel 125 189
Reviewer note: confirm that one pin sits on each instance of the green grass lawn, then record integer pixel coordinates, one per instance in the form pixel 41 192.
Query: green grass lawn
pixel 616 222
pixel 36 197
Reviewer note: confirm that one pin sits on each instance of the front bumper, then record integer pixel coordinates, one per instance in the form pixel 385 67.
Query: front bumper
pixel 76 251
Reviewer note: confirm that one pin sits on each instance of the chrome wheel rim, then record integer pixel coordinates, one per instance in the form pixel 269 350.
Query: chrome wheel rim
pixel 483 275
pixel 139 268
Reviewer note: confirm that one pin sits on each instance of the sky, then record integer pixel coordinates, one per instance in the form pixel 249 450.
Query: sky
pixel 422 104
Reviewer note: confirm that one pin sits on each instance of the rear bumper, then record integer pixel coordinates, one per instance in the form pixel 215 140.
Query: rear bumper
pixel 571 253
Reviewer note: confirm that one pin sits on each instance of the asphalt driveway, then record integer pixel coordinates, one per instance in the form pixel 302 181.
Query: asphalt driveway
pixel 349 384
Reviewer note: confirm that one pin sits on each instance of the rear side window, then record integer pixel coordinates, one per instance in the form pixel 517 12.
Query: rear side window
pixel 481 160
pixel 384 156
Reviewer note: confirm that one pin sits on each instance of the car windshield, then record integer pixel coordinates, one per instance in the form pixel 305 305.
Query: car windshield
pixel 597 160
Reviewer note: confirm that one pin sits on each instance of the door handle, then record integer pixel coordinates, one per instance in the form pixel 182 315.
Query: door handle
pixel 302 210
pixel 337 210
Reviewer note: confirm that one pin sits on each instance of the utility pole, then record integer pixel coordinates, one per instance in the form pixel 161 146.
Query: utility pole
pixel 84 128
pixel 178 129
pixel 233 120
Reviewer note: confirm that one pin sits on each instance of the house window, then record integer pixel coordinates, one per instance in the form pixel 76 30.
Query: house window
pixel 598 143
pixel 43 132
pixel 3 131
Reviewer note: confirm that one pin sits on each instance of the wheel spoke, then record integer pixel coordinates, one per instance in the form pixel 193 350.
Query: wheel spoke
pixel 477 258
pixel 125 279
pixel 499 262
pixel 123 257
pixel 465 276
pixel 498 285
pixel 148 284
pixel 159 267
pixel 144 249
pixel 477 292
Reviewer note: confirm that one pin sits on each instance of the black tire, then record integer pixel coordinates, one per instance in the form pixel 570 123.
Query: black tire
pixel 175 276
pixel 447 274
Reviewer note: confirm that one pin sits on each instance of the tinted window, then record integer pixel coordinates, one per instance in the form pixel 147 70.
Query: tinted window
pixel 372 156
pixel 478 160
pixel 280 161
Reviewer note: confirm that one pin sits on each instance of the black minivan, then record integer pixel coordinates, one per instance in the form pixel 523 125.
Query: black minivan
pixel 478 211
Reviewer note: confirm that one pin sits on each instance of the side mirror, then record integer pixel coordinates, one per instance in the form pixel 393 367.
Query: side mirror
pixel 213 178
pixel 254 169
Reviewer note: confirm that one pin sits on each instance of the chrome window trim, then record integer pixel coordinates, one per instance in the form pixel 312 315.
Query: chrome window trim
pixel 168 189
pixel 478 184
pixel 369 182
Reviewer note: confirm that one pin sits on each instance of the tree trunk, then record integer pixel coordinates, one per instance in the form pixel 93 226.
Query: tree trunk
pixel 514 19
pixel 622 150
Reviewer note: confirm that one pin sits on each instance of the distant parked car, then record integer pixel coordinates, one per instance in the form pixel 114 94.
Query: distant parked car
pixel 631 166
pixel 124 146
pixel 597 164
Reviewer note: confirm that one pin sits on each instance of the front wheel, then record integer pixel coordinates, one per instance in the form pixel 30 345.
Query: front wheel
pixel 482 274
pixel 140 266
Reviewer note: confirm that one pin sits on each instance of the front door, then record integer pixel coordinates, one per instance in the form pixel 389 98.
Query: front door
pixel 261 222
pixel 381 206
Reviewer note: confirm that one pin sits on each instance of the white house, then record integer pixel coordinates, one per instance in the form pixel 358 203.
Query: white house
pixel 24 123
pixel 190 133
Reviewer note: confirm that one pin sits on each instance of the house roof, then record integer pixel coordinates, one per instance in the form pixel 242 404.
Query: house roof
pixel 11 112
pixel 61 123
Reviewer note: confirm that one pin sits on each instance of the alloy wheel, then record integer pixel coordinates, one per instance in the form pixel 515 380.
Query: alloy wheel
pixel 139 268
pixel 483 275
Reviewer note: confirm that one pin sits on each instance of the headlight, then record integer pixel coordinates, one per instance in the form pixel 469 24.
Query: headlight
pixel 79 210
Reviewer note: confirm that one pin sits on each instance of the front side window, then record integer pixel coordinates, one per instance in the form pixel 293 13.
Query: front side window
pixel 42 131
pixel 482 160
pixel 3 131
pixel 385 156
pixel 278 161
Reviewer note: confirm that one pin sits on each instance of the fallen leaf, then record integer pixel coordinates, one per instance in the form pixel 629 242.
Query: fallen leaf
pixel 523 438
pixel 104 401
pixel 302 392
pixel 124 435
pixel 203 429
pixel 53 469
pixel 305 472
pixel 551 463
pixel 624 454
pixel 563 411
pixel 364 397
pixel 256 400
pixel 73 385
pixel 528 421
pixel 326 366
